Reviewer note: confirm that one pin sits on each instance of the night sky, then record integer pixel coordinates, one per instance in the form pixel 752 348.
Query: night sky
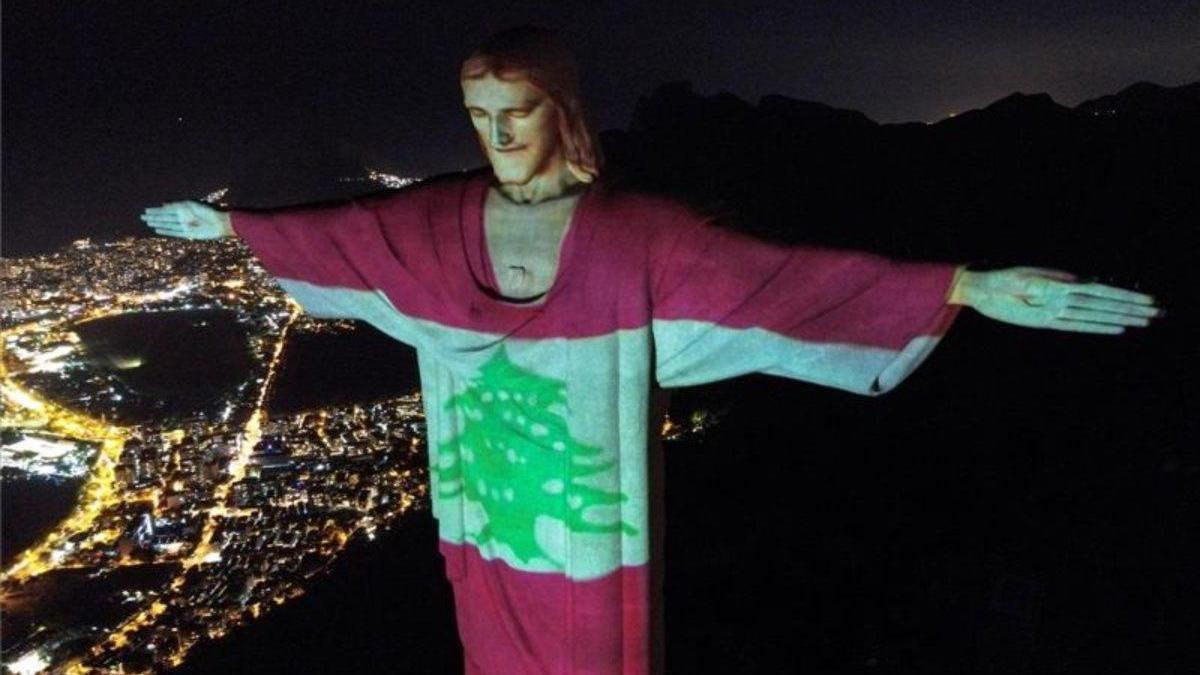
pixel 111 107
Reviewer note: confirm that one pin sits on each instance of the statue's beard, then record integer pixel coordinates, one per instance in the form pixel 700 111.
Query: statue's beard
pixel 518 171
pixel 513 175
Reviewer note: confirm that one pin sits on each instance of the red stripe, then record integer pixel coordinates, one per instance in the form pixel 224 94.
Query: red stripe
pixel 513 622
pixel 626 256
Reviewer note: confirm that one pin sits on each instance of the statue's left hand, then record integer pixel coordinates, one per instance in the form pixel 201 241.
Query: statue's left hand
pixel 1047 298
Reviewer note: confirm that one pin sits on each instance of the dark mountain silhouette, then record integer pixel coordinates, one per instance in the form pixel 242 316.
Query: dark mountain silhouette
pixel 1146 99
pixel 1022 179
pixel 1017 110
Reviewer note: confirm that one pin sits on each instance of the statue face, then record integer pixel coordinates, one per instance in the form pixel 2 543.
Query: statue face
pixel 517 127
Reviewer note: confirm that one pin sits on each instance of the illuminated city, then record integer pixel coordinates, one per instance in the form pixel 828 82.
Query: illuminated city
pixel 186 525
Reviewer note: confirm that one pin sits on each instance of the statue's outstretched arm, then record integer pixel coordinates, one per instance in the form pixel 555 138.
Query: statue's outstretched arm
pixel 725 304
pixel 337 260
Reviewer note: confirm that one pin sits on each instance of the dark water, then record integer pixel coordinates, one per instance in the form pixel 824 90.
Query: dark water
pixel 29 507
pixel 187 361
pixel 175 363
pixel 328 369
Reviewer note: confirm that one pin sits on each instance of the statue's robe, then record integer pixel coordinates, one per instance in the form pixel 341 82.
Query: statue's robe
pixel 539 417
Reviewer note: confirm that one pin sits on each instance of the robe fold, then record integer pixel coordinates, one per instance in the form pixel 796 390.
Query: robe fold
pixel 539 416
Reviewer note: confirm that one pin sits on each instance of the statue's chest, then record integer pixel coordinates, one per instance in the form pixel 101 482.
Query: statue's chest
pixel 524 243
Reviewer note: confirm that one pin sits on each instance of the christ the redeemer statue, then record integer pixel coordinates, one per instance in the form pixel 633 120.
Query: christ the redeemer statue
pixel 549 310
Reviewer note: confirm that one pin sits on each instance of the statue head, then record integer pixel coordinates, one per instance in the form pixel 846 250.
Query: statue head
pixel 521 89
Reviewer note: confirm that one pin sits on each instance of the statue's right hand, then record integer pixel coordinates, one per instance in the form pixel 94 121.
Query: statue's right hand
pixel 188 220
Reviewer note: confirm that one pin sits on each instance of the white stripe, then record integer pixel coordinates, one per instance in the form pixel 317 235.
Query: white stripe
pixel 698 352
pixel 607 381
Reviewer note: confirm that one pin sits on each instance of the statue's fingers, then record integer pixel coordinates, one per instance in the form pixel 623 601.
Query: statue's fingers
pixel 1132 309
pixel 1085 327
pixel 161 216
pixel 169 230
pixel 1103 317
pixel 160 219
pixel 1042 291
pixel 1114 293
pixel 1061 275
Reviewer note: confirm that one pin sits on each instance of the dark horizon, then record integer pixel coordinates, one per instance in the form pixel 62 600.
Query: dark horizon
pixel 315 175
pixel 109 109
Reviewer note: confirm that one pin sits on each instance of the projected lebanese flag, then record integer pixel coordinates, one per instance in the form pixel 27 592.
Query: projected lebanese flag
pixel 538 414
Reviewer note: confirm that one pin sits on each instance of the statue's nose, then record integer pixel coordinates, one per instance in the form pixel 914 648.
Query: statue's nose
pixel 501 137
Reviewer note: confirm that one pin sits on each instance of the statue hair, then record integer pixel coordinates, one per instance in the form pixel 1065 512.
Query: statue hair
pixel 537 55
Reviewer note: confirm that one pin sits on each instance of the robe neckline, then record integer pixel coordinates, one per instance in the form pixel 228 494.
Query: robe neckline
pixel 479 261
